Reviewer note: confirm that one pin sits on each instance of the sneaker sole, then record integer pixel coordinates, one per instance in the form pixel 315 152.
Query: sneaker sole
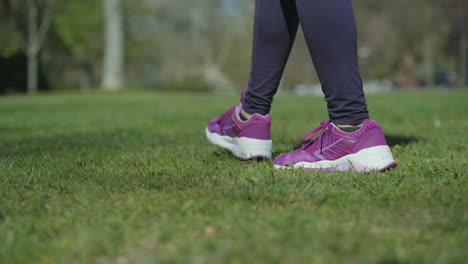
pixel 243 148
pixel 377 158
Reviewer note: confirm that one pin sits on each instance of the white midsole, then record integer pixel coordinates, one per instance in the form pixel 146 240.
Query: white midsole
pixel 374 158
pixel 242 147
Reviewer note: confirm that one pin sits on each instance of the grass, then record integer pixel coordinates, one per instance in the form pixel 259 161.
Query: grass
pixel 130 178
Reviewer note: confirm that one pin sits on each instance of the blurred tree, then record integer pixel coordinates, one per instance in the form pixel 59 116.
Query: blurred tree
pixel 113 64
pixel 62 31
pixel 10 37
pixel 457 15
pixel 38 27
pixel 206 44
pixel 395 43
pixel 26 34
pixel 181 50
pixel 74 51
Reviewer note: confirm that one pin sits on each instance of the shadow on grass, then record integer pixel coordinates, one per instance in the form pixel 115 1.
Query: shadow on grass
pixel 394 140
pixel 97 143
pixel 392 261
pixel 106 142
pixel 223 153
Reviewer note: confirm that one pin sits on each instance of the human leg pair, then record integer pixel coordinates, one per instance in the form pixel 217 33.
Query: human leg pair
pixel 330 30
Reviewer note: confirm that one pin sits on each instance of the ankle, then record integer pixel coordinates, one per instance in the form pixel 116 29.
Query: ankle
pixel 244 115
pixel 352 125
pixel 350 128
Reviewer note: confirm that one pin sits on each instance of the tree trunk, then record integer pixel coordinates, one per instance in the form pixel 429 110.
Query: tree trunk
pixel 37 32
pixel 464 60
pixel 113 71
pixel 429 67
pixel 32 49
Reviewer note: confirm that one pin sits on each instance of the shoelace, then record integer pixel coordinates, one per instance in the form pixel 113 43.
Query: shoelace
pixel 309 138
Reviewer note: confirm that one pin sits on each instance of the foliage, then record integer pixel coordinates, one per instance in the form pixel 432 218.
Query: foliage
pixel 78 25
pixel 189 83
pixel 10 35
pixel 170 40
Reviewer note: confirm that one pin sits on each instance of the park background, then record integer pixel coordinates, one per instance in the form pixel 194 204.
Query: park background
pixel 103 155
pixel 205 45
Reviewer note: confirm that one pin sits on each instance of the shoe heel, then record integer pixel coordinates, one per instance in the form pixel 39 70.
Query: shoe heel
pixel 249 148
pixel 376 158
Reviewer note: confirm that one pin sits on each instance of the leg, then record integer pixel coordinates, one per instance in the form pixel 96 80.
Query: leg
pixel 330 30
pixel 244 129
pixel 276 24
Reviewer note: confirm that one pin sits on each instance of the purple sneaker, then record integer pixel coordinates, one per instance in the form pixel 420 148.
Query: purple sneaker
pixel 245 139
pixel 363 151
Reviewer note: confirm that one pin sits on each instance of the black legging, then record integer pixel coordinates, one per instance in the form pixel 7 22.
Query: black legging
pixel 330 30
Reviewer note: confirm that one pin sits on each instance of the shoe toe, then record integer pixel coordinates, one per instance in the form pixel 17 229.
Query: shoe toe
pixel 291 158
pixel 285 159
pixel 213 126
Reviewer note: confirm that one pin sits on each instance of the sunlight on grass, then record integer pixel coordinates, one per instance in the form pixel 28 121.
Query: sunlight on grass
pixel 130 178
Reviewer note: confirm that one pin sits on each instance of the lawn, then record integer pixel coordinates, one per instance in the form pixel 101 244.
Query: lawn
pixel 129 178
